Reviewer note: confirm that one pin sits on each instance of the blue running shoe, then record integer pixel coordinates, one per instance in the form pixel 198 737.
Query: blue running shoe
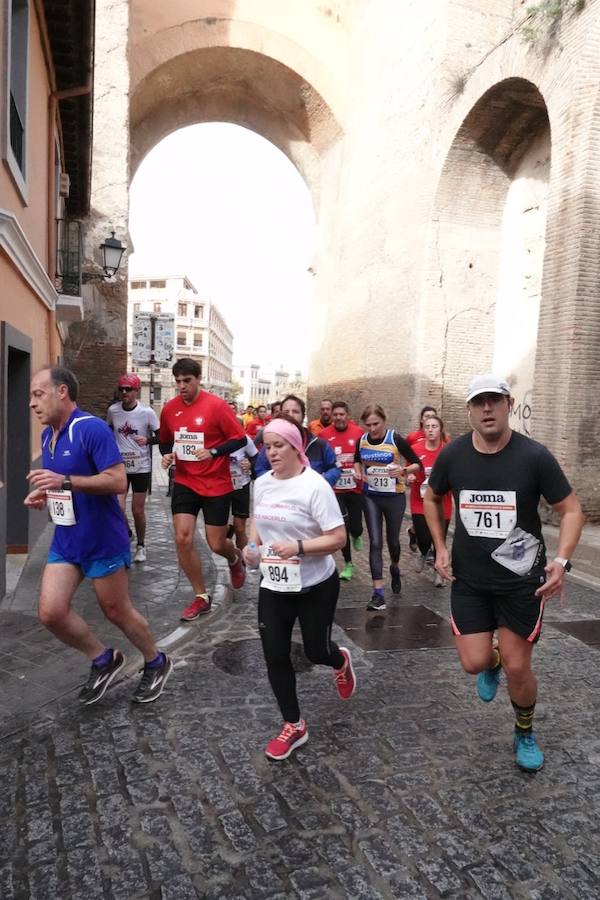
pixel 487 684
pixel 529 756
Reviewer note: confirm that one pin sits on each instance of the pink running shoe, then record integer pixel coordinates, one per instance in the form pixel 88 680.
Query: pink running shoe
pixel 345 679
pixel 289 739
pixel 238 573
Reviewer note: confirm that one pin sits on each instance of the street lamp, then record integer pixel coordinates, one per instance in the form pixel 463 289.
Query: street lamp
pixel 112 253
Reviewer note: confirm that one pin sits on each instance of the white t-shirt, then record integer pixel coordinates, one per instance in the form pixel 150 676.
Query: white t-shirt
pixel 127 424
pixel 241 479
pixel 299 508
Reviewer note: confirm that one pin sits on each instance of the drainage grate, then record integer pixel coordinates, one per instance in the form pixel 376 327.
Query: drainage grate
pixel 587 631
pixel 245 657
pixel 396 628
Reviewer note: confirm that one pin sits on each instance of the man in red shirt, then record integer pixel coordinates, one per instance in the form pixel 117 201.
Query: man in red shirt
pixel 343 436
pixel 257 424
pixel 198 431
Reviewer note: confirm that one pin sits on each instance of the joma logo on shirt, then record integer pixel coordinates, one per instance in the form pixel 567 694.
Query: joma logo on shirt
pixel 486 498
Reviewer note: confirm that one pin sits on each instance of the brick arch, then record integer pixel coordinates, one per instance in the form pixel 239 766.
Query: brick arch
pixel 464 254
pixel 237 72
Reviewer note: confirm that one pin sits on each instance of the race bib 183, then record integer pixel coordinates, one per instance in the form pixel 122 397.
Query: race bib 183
pixel 489 514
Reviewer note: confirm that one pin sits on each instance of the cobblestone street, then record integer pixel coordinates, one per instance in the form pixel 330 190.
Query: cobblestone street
pixel 409 790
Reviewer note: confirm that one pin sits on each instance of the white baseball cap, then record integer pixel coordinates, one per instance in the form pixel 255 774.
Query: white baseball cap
pixel 487 384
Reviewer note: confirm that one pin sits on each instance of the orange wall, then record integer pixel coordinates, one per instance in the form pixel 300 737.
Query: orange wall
pixel 33 217
pixel 22 309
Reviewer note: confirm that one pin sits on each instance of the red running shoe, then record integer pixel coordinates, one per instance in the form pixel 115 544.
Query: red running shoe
pixel 290 738
pixel 197 607
pixel 238 573
pixel 345 679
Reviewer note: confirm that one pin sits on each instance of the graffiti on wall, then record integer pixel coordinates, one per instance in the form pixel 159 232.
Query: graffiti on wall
pixel 520 417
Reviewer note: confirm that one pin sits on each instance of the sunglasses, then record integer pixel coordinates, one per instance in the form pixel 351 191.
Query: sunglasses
pixel 126 389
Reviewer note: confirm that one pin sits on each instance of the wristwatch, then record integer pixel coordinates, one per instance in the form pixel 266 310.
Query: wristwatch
pixel 563 562
pixel 66 485
pixel 213 452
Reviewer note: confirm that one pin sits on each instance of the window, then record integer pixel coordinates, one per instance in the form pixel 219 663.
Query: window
pixel 17 67
pixel 157 307
pixel 197 341
pixel 136 307
pixel 198 312
pixel 158 284
pixel 181 339
pixel 138 285
pixel 157 393
pixel 182 309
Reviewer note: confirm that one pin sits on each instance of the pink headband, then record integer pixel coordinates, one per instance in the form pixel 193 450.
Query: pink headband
pixel 290 434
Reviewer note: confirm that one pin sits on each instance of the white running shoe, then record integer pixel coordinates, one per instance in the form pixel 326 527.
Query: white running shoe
pixel 419 562
pixel 140 554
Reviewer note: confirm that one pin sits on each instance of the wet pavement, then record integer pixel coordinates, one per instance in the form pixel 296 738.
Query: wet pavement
pixel 408 790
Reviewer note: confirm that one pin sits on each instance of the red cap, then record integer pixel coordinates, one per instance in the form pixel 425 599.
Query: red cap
pixel 131 381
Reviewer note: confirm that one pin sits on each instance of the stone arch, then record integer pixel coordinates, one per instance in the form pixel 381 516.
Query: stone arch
pixel 485 259
pixel 243 73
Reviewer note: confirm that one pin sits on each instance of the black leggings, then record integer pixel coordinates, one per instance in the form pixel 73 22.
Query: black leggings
pixel 351 508
pixel 377 508
pixel 423 534
pixel 277 613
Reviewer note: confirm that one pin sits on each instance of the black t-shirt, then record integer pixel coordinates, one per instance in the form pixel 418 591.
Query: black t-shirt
pixel 494 493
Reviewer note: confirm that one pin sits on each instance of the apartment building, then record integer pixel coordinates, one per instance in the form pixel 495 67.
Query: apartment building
pixel 264 386
pixel 200 332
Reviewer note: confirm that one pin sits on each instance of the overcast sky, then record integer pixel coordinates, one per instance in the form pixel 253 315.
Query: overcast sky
pixel 225 207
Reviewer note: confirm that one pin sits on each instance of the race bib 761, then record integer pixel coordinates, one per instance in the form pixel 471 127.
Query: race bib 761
pixel 489 514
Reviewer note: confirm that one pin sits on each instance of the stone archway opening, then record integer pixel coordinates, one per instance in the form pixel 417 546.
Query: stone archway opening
pixel 487 247
pixel 229 214
pixel 239 86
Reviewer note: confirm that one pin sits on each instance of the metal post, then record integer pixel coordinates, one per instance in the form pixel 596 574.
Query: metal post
pixel 152 340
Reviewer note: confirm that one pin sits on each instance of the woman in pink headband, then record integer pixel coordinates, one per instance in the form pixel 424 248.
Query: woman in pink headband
pixel 296 527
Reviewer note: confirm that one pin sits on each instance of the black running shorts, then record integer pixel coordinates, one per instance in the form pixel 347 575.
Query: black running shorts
pixel 475 610
pixel 240 502
pixel 214 509
pixel 140 482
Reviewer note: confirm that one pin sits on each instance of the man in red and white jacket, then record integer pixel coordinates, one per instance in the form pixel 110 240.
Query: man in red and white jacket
pixel 343 436
pixel 198 431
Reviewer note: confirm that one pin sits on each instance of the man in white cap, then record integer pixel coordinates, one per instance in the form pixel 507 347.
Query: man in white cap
pixel 500 575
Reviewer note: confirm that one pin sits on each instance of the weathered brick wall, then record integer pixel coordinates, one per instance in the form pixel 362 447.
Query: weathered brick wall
pixel 443 117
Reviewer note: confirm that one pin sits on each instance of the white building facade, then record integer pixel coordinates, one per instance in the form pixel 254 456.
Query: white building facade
pixel 264 387
pixel 201 333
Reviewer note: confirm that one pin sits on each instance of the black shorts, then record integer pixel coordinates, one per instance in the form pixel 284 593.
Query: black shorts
pixel 475 610
pixel 139 481
pixel 215 509
pixel 240 502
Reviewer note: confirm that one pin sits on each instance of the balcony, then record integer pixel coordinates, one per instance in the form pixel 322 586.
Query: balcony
pixel 69 253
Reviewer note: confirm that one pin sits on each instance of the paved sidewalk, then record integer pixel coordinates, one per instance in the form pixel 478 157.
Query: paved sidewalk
pixel 409 790
pixel 36 670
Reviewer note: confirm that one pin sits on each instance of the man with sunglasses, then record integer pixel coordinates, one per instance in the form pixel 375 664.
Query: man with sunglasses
pixel 500 577
pixel 135 428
